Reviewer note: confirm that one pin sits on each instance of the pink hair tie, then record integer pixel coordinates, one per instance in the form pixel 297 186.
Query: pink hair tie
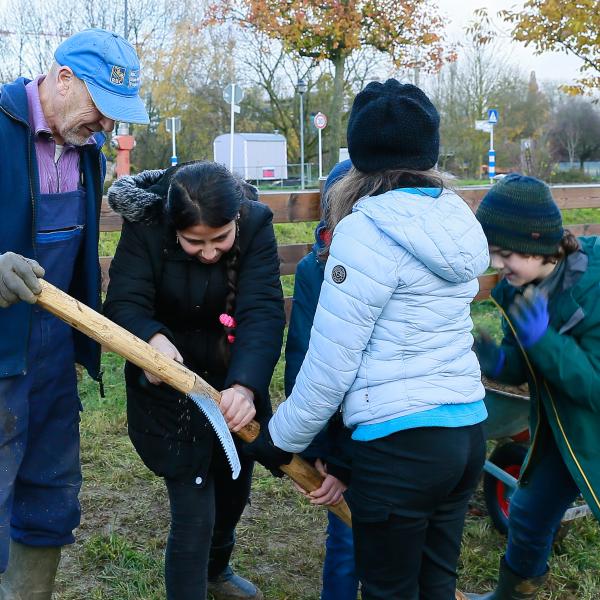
pixel 227 321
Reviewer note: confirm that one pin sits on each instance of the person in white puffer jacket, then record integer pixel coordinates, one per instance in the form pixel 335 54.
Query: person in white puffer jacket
pixel 391 343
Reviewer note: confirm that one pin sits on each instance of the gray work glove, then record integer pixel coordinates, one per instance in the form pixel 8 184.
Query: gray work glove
pixel 18 279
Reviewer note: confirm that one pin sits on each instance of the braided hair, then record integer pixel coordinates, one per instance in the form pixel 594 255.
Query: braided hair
pixel 208 193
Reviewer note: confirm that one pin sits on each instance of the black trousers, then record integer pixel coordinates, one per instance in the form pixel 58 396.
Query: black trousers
pixel 409 496
pixel 203 521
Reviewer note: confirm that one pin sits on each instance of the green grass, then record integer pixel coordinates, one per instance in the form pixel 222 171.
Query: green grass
pixel 108 242
pixel 486 318
pixel 120 545
pixel 581 215
pixel 295 233
pixel 469 182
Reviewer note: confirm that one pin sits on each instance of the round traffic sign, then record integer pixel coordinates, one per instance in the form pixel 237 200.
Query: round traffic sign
pixel 320 121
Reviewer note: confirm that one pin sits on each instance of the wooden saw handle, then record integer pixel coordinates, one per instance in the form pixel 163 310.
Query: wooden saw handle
pixel 143 355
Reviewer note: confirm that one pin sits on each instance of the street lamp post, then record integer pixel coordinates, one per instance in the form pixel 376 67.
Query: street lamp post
pixel 301 88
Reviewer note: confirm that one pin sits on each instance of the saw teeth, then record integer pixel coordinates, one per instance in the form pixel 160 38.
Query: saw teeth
pixel 211 411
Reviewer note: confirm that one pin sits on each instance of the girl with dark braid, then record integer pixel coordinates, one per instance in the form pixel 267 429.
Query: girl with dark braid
pixel 196 274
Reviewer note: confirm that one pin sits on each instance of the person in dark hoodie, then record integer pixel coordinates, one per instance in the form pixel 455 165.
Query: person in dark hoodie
pixel 196 274
pixel 51 179
pixel 330 450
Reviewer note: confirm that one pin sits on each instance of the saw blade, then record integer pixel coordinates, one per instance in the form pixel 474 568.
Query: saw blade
pixel 211 410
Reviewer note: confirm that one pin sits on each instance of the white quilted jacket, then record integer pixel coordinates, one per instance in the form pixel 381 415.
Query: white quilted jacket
pixel 392 331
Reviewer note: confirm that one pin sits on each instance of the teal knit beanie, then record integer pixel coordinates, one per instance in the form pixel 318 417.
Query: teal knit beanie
pixel 519 214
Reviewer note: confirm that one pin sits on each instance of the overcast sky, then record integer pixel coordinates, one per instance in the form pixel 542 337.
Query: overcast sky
pixel 559 67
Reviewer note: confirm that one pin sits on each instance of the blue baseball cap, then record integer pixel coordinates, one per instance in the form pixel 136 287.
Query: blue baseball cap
pixel 110 69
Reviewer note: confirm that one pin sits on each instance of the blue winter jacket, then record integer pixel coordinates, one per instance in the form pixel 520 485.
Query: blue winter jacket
pixel 331 443
pixel 392 330
pixel 307 287
pixel 19 194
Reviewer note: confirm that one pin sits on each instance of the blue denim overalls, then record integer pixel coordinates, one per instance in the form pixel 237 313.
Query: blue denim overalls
pixel 39 448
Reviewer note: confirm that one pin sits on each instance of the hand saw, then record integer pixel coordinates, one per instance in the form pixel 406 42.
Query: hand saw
pixel 119 340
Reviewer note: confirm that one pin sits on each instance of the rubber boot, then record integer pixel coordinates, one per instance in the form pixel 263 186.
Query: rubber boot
pixel 223 583
pixel 30 573
pixel 512 587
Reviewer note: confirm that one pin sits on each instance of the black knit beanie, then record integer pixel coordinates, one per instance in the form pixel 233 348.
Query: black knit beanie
pixel 393 126
pixel 519 214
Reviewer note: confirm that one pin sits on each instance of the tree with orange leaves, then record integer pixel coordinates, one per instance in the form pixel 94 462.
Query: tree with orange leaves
pixel 572 27
pixel 554 26
pixel 409 31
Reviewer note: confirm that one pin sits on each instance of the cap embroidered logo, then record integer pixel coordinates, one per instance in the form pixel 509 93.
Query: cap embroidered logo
pixel 117 75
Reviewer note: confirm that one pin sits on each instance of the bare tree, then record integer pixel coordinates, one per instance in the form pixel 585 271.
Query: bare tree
pixel 576 131
pixel 31 29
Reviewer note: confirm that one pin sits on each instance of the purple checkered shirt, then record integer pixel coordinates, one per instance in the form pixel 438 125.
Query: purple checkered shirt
pixel 55 177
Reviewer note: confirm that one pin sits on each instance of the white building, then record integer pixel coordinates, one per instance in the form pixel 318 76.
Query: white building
pixel 256 156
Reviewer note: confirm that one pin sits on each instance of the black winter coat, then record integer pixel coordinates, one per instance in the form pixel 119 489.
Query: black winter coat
pixel 156 287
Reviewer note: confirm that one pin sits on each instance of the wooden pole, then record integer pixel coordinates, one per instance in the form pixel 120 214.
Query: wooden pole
pixel 140 353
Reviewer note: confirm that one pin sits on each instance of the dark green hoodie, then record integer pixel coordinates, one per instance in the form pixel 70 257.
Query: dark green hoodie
pixel 563 372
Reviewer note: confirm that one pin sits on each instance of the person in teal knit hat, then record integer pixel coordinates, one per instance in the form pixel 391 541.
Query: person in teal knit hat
pixel 548 297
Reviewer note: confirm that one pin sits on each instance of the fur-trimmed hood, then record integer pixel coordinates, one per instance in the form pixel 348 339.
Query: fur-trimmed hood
pixel 140 198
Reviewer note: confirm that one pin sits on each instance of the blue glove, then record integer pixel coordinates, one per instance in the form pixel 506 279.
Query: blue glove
pixel 491 356
pixel 530 315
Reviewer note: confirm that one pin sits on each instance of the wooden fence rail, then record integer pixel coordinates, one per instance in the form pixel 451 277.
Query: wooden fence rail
pixel 298 207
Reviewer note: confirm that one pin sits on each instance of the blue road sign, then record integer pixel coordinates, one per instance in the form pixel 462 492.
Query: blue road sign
pixel 493 116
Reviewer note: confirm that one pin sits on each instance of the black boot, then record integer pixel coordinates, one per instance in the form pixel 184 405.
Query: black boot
pixel 512 587
pixel 223 583
pixel 229 586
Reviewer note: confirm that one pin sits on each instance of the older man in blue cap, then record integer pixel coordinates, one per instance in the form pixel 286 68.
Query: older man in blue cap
pixel 51 181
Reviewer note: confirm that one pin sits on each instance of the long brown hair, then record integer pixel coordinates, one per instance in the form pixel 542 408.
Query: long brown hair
pixel 348 190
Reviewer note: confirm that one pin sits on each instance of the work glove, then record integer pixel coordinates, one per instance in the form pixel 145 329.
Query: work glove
pixel 18 279
pixel 530 315
pixel 266 452
pixel 491 356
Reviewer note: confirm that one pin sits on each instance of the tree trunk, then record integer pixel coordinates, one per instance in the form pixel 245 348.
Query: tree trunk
pixel 334 133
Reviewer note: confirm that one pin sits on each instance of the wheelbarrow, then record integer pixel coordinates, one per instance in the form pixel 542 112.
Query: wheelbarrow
pixel 508 423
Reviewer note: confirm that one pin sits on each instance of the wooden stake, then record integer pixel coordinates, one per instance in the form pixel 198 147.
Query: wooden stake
pixel 119 340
